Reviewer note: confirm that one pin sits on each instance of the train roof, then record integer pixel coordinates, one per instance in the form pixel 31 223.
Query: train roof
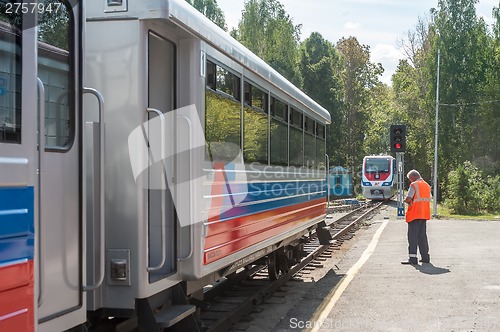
pixel 188 18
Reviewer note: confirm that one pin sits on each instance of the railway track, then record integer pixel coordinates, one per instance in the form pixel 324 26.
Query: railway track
pixel 228 301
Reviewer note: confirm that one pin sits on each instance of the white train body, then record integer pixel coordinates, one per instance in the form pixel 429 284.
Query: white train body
pixel 378 177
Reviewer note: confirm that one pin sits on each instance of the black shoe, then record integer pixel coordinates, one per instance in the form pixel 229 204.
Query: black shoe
pixel 412 261
pixel 428 260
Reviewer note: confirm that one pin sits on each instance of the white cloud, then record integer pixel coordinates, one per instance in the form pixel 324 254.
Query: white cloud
pixel 388 55
pixel 352 25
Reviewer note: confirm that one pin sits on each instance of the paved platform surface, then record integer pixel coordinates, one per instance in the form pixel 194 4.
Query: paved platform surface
pixel 458 291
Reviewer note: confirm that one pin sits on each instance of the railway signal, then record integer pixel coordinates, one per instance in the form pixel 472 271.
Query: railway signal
pixel 398 138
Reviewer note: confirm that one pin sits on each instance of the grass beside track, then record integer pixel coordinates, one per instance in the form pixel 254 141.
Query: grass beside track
pixel 444 213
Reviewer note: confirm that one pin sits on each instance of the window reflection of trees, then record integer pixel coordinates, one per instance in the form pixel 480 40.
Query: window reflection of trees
pixel 295 140
pixel 54 69
pixel 255 136
pixel 222 124
pixel 279 143
pixel 296 147
pixel 309 150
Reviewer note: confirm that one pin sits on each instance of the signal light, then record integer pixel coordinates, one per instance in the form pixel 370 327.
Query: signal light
pixel 398 138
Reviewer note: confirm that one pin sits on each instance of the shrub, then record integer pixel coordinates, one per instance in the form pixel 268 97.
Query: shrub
pixel 468 192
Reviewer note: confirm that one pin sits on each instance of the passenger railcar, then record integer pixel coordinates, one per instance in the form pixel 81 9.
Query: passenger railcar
pixel 151 59
pixel 96 223
pixel 378 177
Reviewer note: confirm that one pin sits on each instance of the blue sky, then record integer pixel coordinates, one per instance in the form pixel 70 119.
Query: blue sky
pixel 377 23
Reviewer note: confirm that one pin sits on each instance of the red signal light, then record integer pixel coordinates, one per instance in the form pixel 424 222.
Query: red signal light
pixel 397 146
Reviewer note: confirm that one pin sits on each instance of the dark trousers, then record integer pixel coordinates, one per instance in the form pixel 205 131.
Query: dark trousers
pixel 417 236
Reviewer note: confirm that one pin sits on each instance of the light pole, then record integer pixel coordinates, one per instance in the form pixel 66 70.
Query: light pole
pixel 436 132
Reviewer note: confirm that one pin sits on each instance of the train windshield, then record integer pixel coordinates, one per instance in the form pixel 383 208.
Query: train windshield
pixel 377 165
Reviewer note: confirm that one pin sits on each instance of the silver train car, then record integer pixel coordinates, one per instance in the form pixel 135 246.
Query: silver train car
pixel 192 159
pixel 378 180
pixel 241 165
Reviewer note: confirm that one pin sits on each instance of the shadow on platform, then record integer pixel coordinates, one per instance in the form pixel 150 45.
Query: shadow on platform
pixel 430 269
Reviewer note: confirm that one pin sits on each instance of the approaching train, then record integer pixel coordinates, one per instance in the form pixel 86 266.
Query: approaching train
pixel 378 180
pixel 190 159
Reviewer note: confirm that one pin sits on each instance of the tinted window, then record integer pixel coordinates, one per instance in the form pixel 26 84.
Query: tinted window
pixel 10 76
pixel 55 62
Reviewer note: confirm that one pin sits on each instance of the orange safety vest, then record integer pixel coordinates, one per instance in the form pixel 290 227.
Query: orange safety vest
pixel 420 205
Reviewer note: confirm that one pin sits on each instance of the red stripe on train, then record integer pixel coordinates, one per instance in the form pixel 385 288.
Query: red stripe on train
pixel 227 237
pixel 17 297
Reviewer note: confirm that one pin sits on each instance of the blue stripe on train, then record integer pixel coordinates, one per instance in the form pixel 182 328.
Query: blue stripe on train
pixel 16 224
pixel 258 191
pixel 263 197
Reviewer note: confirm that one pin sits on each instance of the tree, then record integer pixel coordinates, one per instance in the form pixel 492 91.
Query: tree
pixel 360 77
pixel 463 41
pixel 320 66
pixel 211 10
pixel 269 32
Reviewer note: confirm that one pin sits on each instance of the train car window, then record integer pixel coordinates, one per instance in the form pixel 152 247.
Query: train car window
pixel 222 125
pixel 279 109
pixel 255 97
pixel 56 70
pixel 378 165
pixel 228 83
pixel 211 77
pixel 320 152
pixel 320 130
pixel 296 119
pixel 255 136
pixel 247 93
pixel 296 147
pixel 279 133
pixel 279 143
pixel 259 99
pixel 222 114
pixel 309 150
pixel 309 125
pixel 255 131
pixel 10 75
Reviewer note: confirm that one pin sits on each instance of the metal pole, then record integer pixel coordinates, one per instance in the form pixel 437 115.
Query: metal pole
pixel 327 180
pixel 400 183
pixel 436 134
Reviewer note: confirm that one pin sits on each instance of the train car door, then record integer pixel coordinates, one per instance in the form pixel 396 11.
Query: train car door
pixel 161 98
pixel 61 303
pixel 18 125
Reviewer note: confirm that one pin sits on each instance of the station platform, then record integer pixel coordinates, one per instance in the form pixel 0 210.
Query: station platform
pixel 459 290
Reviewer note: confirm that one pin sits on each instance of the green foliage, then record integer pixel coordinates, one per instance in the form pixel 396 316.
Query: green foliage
pixel 211 10
pixel 222 126
pixel 53 26
pixel 268 31
pixel 360 77
pixel 321 66
pixel 469 192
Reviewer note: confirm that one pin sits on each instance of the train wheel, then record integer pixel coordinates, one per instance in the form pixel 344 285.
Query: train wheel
pixel 272 267
pixel 282 263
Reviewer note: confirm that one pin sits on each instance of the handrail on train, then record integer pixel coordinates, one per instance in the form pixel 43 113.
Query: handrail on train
pixel 102 210
pixel 41 166
pixel 163 226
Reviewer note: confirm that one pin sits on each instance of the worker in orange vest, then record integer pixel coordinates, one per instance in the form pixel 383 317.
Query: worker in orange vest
pixel 419 211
